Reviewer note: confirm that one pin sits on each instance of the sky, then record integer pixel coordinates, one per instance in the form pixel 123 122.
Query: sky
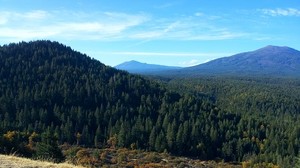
pixel 166 32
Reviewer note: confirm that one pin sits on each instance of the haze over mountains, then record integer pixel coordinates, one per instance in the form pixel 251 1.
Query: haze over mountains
pixel 270 60
pixel 138 67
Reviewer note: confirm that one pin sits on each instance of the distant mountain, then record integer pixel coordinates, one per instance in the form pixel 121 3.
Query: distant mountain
pixel 270 60
pixel 143 68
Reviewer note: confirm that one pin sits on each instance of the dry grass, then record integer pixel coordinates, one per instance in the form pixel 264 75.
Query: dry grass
pixel 122 157
pixel 18 162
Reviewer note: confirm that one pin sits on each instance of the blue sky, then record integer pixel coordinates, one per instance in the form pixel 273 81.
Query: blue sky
pixel 167 32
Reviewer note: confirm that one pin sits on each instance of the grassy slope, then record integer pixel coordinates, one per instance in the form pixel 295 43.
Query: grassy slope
pixel 18 162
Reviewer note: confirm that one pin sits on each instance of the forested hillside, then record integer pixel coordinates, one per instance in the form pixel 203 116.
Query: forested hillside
pixel 269 110
pixel 52 94
pixel 48 87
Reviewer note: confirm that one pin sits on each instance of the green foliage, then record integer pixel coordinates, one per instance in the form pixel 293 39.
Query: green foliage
pixel 15 142
pixel 267 129
pixel 297 162
pixel 70 154
pixel 48 148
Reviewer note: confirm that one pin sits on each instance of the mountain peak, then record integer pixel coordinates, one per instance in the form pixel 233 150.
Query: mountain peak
pixel 129 63
pixel 269 60
pixel 272 48
pixel 134 61
pixel 138 67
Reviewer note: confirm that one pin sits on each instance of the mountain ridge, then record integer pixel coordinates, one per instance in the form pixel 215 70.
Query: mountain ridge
pixel 276 61
pixel 269 60
pixel 139 67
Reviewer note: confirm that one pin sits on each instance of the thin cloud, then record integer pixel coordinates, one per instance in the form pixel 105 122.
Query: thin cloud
pixel 20 34
pixel 158 32
pixel 187 29
pixel 221 35
pixel 281 12
pixel 167 5
pixel 190 63
pixel 171 54
pixel 82 26
pixel 198 14
pixel 3 20
pixel 35 15
pixel 193 62
pixel 4 16
pixel 110 26
pixel 147 35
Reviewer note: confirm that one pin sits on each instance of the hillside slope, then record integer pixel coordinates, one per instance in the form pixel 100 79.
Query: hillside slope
pixel 18 162
pixel 46 86
pixel 270 61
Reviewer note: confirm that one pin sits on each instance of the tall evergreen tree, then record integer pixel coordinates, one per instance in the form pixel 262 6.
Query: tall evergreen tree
pixel 48 148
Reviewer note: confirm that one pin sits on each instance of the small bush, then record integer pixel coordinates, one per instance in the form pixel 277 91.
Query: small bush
pixel 122 157
pixel 153 158
pixel 71 154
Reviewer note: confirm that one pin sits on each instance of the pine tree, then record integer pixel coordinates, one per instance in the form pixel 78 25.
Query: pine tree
pixel 152 138
pixel 170 136
pixel 48 148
